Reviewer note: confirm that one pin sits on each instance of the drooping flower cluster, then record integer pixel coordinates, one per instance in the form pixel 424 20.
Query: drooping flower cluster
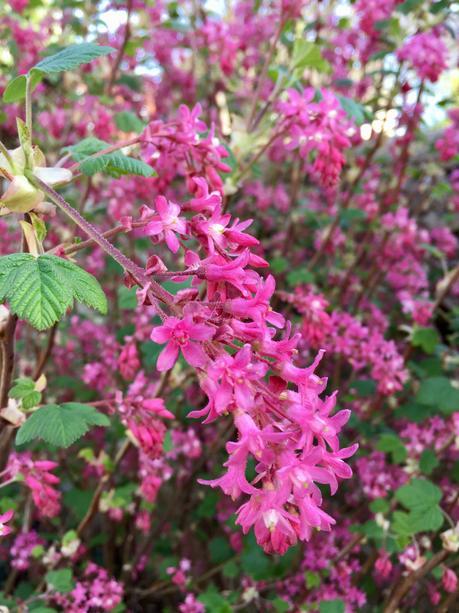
pixel 39 479
pixel 316 124
pixel 426 53
pixel 282 422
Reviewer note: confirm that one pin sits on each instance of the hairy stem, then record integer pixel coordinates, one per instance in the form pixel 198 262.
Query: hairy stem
pixel 129 266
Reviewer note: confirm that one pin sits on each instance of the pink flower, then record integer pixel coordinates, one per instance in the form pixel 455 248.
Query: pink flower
pixel 181 334
pixel 166 223
pixel 449 580
pixel 427 54
pixel 6 517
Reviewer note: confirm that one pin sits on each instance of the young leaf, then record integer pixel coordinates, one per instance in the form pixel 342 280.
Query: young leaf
pixel 41 289
pixel 307 55
pixel 115 164
pixel 60 425
pixel 86 147
pixel 71 57
pixel 16 89
pixel 60 580
pixel 24 390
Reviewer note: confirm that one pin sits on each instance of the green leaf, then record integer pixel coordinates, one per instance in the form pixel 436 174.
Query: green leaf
pixel 393 444
pixel 331 606
pixel 86 147
pixel 300 276
pixel 115 164
pixel 312 579
pixel 22 387
pixel 71 57
pixel 230 570
pixel 60 425
pixel 280 605
pixel 16 89
pixel 418 494
pixel 428 461
pixel 214 602
pixel 127 298
pixel 307 55
pixel 409 5
pixel 426 338
pixel 41 289
pixel 421 498
pixel 437 7
pixel 439 392
pixel 60 580
pixel 126 121
pixel 379 505
pixel 354 110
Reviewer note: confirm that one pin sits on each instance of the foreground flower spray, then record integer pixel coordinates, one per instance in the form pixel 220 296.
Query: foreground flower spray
pixel 223 282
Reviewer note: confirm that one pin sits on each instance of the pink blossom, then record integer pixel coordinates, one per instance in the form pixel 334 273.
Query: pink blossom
pixel 4 518
pixel 181 335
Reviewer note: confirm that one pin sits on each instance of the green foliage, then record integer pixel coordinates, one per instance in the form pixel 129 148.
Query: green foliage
pixel 67 59
pixel 71 57
pixel 392 444
pixel 60 580
pixel 60 425
pixel 354 110
pixel 220 550
pixel 214 602
pixel 420 497
pixel 115 164
pixel 428 461
pixel 438 392
pixel 426 338
pixel 41 289
pixel 126 121
pixel 379 505
pixel 308 55
pixel 332 606
pixel 24 390
pixel 299 276
pixel 409 6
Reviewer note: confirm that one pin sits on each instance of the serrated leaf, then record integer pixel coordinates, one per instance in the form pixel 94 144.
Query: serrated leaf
pixel 71 57
pixel 86 147
pixel 115 164
pixel 22 387
pixel 41 289
pixel 60 425
pixel 419 494
pixel 60 580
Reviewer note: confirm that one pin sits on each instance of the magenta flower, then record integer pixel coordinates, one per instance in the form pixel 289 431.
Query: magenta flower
pixel 181 334
pixel 167 223
pixel 6 517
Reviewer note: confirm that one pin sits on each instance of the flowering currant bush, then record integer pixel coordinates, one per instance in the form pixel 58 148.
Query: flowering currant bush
pixel 228 306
